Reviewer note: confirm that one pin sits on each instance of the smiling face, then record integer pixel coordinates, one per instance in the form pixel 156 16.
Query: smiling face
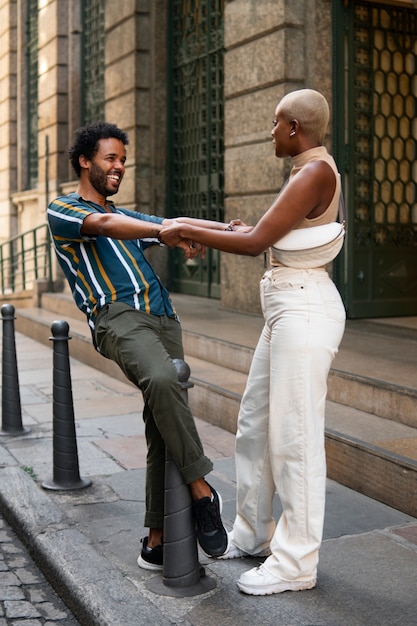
pixel 107 167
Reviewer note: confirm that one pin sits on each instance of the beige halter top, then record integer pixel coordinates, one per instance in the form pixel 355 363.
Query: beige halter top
pixel 330 214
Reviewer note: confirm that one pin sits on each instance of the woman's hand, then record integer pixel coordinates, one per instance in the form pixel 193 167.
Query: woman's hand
pixel 240 226
pixel 192 248
pixel 171 237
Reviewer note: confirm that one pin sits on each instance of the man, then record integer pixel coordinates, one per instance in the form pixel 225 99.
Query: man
pixel 101 250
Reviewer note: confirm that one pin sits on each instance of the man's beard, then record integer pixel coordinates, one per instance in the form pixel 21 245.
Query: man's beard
pixel 98 179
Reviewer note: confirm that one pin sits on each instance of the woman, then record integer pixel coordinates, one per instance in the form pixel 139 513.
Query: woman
pixel 280 437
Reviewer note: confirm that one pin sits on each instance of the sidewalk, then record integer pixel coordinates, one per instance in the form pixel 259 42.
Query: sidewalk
pixel 87 541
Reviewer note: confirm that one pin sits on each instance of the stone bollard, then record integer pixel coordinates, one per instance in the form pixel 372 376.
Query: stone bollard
pixel 66 474
pixel 183 576
pixel 11 406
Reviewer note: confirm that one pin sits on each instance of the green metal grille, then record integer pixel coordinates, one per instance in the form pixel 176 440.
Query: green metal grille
pixel 93 60
pixel 379 56
pixel 32 92
pixel 196 124
pixel 385 52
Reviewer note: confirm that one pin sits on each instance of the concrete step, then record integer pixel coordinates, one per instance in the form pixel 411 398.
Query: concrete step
pixel 375 370
pixel 371 427
pixel 354 380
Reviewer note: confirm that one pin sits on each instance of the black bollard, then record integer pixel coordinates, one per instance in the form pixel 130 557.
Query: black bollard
pixel 182 572
pixel 66 474
pixel 11 407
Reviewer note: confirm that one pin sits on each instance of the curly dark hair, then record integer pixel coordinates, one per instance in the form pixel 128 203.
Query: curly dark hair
pixel 86 141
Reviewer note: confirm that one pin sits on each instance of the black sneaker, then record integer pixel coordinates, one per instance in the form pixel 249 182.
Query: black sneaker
pixel 211 533
pixel 150 558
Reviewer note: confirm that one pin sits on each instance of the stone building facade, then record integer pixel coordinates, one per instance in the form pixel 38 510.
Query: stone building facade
pixel 269 47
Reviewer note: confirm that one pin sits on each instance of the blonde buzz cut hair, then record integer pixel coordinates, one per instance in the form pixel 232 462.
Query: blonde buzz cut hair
pixel 310 109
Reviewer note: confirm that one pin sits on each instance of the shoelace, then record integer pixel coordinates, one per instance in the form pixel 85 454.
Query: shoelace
pixel 208 516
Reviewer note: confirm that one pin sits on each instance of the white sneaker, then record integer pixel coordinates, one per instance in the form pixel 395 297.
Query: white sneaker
pixel 259 582
pixel 233 552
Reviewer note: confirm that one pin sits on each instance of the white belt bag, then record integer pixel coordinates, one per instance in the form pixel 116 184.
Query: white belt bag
pixel 305 248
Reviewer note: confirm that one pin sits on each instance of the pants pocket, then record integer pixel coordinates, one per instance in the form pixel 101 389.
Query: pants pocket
pixel 332 302
pixel 100 329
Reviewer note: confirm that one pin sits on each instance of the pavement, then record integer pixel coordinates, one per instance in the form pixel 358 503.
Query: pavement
pixel 26 597
pixel 86 540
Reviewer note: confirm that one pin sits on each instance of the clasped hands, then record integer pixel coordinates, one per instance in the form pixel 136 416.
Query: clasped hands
pixel 170 236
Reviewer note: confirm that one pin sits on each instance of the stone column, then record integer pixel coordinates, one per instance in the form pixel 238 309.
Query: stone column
pixel 271 48
pixel 136 101
pixel 8 116
pixel 136 96
pixel 53 108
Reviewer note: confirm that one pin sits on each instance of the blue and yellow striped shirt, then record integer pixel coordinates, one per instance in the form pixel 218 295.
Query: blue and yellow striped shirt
pixel 101 270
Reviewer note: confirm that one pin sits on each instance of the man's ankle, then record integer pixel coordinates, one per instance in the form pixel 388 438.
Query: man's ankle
pixel 155 537
pixel 200 489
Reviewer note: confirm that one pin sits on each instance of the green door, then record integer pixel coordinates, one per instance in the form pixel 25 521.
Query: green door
pixel 195 124
pixel 375 134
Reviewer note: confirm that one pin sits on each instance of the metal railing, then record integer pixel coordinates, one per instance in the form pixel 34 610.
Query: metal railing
pixel 24 259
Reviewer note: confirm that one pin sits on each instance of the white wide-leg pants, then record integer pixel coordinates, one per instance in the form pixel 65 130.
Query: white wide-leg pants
pixel 280 438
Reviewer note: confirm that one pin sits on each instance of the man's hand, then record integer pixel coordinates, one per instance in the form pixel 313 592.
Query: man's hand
pixel 191 248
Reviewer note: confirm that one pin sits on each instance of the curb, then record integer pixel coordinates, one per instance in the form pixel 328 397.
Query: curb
pixel 93 589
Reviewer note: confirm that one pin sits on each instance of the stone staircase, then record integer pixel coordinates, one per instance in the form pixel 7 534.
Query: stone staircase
pixel 371 418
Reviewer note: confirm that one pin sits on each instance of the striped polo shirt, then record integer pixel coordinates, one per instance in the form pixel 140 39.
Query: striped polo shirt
pixel 101 270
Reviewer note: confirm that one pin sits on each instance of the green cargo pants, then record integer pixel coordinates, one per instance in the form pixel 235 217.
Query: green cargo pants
pixel 143 346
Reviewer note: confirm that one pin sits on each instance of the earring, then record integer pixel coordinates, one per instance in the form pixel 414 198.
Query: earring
pixel 292 133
